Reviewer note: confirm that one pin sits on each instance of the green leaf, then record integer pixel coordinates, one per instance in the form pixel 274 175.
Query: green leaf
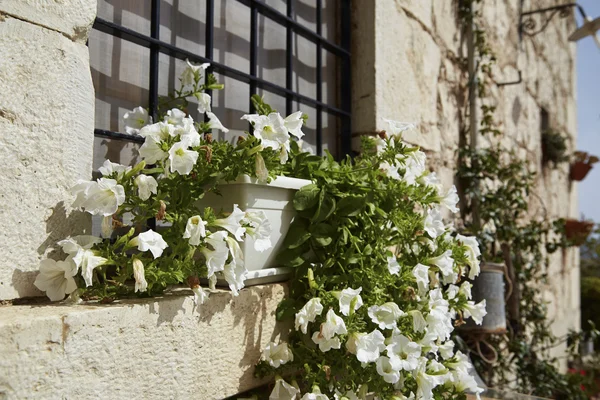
pixel 286 309
pixel 307 197
pixel 326 208
pixel 351 206
pixel 297 234
pixel 323 234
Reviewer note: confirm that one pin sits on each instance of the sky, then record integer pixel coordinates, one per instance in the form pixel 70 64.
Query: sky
pixel 588 113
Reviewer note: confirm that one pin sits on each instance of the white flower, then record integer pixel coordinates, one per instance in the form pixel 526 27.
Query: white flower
pixel 369 346
pixel 465 289
pixel 421 274
pixel 432 180
pixel 136 119
pixel 293 124
pixel 450 199
pixel 385 315
pixel 159 131
pixel 439 318
pixel 388 369
pixel 419 323
pixel 150 240
pixel 262 173
pixel 192 73
pixel 204 102
pixel 195 230
pixel 79 250
pixel 347 297
pixel 391 171
pixel 270 129
pixel 452 292
pixel 215 123
pixel 277 354
pixel 473 253
pixel 106 226
pixel 352 340
pixel 233 223
pixel 396 127
pixel 315 395
pixel 430 376
pixel 200 296
pixel 404 353
pixel 259 229
pixel 283 391
pixel 333 325
pixel 283 152
pixel 475 311
pixel 146 186
pixel 326 344
pixel 109 168
pixel 187 132
pixel 446 350
pixel 464 381
pixel 181 159
pixel 139 275
pixel 235 271
pixel 151 151
pixel 444 262
pixel 308 313
pixel 216 258
pixel 99 198
pixel 415 166
pixel 434 225
pixel 56 278
pixel 393 266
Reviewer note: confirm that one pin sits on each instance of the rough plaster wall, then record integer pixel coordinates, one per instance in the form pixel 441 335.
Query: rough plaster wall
pixel 419 78
pixel 165 348
pixel 46 131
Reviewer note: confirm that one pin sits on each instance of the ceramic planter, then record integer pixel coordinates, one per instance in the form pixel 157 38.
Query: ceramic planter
pixel 489 285
pixel 578 231
pixel 579 170
pixel 275 199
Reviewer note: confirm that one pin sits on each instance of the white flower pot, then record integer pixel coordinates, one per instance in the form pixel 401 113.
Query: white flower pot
pixel 275 199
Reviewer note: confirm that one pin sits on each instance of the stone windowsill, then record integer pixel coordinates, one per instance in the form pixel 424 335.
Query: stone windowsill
pixel 152 348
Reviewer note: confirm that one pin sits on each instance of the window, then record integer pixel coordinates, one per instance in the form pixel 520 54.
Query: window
pixel 294 52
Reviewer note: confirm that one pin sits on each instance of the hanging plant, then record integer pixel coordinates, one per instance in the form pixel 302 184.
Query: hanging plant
pixel 554 147
pixel 578 231
pixel 582 164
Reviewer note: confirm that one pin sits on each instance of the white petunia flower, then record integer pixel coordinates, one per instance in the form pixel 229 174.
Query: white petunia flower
pixel 432 180
pixel 146 186
pixel 259 229
pixel 293 124
pixel 235 271
pixel 326 344
pixel 270 129
pixel 158 131
pixel 150 240
pixel 187 132
pixel 465 289
pixel 447 350
pixel 444 262
pixel 439 319
pixel 333 325
pixel 391 171
pixel 284 391
pixel 99 198
pixel 464 381
pixel 139 275
pixel 352 340
pixel 475 311
pixel 136 119
pixel 151 151
pixel 277 354
pixel 215 258
pixel 204 102
pixel 262 173
pixel 200 296
pixel 233 223
pixel 434 225
pixel 429 375
pixel 393 266
pixel 347 297
pixel 215 123
pixel 283 152
pixel 396 127
pixel 385 315
pixel 181 159
pixel 452 292
pixel 450 199
pixel 405 354
pixel 369 346
pixel 421 274
pixel 79 250
pixel 315 395
pixel 192 73
pixel 195 230
pixel 56 278
pixel 419 323
pixel 109 168
pixel 414 166
pixel 388 369
pixel 473 253
pixel 308 313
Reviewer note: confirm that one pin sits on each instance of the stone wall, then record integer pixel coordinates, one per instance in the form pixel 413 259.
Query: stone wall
pixel 417 73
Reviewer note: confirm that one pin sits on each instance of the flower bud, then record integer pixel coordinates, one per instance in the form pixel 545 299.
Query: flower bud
pixel 160 215
pixel 193 281
pixel 139 275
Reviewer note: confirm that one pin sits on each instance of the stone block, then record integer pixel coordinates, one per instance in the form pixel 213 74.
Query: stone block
pixel 152 349
pixel 46 139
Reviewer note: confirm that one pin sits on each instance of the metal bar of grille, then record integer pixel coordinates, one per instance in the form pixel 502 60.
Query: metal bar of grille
pixel 181 54
pixel 209 37
pixel 344 84
pixel 253 51
pixel 154 52
pixel 118 135
pixel 289 71
pixel 319 80
pixel 284 20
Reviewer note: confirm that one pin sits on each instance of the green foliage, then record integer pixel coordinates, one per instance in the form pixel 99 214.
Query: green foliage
pixel 554 147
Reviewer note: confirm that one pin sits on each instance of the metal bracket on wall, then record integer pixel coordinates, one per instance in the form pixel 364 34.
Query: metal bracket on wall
pixel 512 82
pixel 529 26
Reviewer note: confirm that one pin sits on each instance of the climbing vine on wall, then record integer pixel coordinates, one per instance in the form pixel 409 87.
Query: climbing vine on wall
pixel 498 187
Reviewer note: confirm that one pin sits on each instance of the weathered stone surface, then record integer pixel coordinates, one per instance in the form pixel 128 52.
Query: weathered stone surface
pixel 151 349
pixel 73 18
pixel 46 138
